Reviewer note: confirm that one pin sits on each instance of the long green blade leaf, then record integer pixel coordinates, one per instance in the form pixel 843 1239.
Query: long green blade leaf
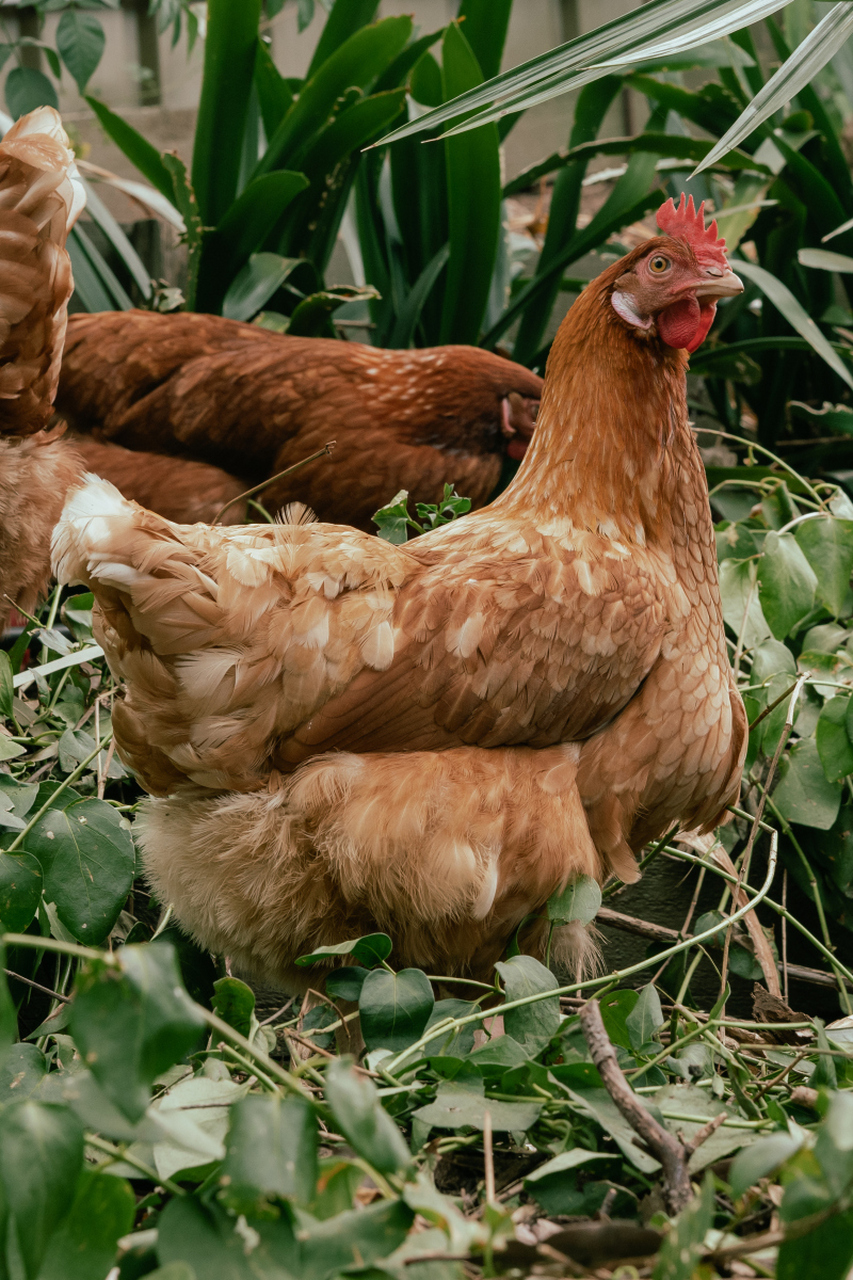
pixel 229 65
pixel 474 204
pixel 825 260
pixel 592 106
pixel 627 38
pixel 94 279
pixel 358 61
pixel 410 312
pixel 484 26
pixel 242 232
pixel 138 150
pixel 816 50
pixel 101 215
pixel 788 306
pixel 347 17
pixel 672 145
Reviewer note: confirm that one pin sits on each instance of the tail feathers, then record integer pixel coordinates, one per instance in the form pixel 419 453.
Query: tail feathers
pixel 41 196
pixel 93 520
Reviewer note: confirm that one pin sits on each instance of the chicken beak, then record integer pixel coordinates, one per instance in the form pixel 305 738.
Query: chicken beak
pixel 717 284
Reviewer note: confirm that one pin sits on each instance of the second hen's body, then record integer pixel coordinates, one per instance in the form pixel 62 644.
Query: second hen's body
pixel 254 403
pixel 431 739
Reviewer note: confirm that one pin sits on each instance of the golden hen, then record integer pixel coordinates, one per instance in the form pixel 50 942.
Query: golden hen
pixel 431 739
pixel 253 402
pixel 40 199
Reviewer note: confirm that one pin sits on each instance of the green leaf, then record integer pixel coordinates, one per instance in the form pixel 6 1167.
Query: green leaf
pixel 214 1243
pixel 829 419
pixel 28 89
pixel 310 318
pixel 393 520
pixel 22 1069
pixel 271 1151
pixel 786 583
pixel 274 96
pixel 369 951
pixel 346 983
pixel 87 856
pixel 229 64
pixel 354 1239
pixel 356 62
pixel 138 150
pixel 796 72
pixel 792 311
pixel 833 743
pixel 394 1008
pixel 825 260
pixel 103 219
pixel 41 1156
pixel 580 900
pixel 346 19
pixel 242 231
pixel 827 1251
pixel 523 976
pixel 615 1008
pixel 474 203
pixel 645 1018
pixel 7 688
pixel 457 1107
pixel 804 794
pixel 683 1246
pixel 484 25
pixel 20 890
pixel 256 283
pixel 80 40
pixel 84 1247
pixel 741 605
pixel 828 547
pixel 409 314
pixel 235 1003
pixel 368 1129
pixel 671 146
pixel 132 1021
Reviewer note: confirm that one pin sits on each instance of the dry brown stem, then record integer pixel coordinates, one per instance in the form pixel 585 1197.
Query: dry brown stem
pixel 671 1153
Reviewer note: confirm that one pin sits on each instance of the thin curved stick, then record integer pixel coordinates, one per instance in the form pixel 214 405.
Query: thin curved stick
pixel 250 493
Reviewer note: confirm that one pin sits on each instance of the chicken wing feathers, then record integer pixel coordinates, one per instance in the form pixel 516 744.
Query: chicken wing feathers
pixel 277 642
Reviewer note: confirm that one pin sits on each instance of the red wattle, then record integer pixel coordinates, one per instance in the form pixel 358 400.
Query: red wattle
pixel 517 448
pixel 706 319
pixel 677 325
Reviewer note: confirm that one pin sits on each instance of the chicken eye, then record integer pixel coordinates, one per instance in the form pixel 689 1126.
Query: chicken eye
pixel 658 264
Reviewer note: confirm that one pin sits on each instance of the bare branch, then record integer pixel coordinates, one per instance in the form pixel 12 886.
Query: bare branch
pixel 662 1144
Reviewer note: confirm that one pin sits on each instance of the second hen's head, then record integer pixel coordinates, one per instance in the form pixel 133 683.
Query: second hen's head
pixel 670 286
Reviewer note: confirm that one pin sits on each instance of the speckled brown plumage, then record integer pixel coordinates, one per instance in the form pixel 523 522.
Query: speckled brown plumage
pixel 253 402
pixel 431 739
pixel 40 199
pixel 176 488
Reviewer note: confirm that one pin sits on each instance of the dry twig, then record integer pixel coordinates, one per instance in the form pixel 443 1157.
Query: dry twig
pixel 671 1153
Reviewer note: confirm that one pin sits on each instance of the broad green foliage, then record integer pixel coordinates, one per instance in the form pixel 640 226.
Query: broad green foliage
pixel 785 570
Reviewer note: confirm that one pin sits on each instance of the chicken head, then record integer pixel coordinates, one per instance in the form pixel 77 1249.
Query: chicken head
pixel 673 283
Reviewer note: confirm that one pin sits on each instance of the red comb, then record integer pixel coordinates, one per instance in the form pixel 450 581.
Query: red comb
pixel 688 223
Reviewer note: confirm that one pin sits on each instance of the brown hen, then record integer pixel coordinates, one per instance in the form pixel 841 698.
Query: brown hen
pixel 254 403
pixel 431 739
pixel 40 199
